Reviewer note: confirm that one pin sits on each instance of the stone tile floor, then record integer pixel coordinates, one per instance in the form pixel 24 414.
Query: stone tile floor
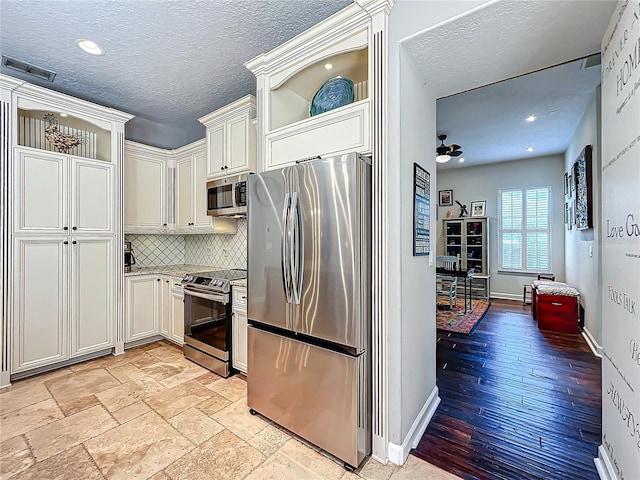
pixel 151 414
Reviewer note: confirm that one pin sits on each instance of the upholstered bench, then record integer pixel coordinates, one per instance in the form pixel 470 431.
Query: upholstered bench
pixel 556 307
pixel 534 292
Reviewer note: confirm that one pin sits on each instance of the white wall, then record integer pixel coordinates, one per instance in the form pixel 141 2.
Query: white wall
pixel 483 183
pixel 411 281
pixel 582 269
pixel 619 454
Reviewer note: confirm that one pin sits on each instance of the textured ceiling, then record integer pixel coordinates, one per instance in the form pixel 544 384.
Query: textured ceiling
pixel 166 62
pixel 502 40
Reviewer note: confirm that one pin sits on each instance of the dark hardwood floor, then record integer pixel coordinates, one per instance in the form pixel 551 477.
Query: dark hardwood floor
pixel 517 403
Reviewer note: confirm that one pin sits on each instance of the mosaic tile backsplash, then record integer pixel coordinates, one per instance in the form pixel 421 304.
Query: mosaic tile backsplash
pixel 227 251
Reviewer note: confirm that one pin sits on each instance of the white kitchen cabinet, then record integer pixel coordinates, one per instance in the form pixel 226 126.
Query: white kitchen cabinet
pixel 289 76
pixel 65 290
pixel 145 189
pixel 231 139
pixel 165 306
pixel 177 315
pixel 191 194
pixel 64 244
pixel 40 326
pixel 92 292
pixel 166 191
pixel 143 307
pixel 239 329
pixel 154 306
pixel 57 193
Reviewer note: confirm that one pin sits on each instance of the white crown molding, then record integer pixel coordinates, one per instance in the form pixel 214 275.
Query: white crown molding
pixel 131 147
pixel 398 453
pixel 336 26
pixel 244 104
pixel 198 144
pixel 9 83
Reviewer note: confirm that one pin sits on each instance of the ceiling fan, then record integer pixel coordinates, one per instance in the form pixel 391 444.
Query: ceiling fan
pixel 445 152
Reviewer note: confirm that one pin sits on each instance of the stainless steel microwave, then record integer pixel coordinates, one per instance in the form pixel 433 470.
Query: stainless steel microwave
pixel 227 197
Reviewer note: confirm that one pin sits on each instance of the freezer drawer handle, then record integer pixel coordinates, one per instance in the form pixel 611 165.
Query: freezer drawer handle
pixel 286 265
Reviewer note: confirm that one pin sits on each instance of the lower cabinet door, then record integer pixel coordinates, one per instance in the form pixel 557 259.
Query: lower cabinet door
pixel 92 294
pixel 40 292
pixel 165 311
pixel 239 335
pixel 142 307
pixel 177 317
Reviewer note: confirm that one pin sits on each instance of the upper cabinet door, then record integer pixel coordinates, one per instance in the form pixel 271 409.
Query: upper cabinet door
pixel 200 217
pixel 238 144
pixel 92 196
pixel 216 151
pixel 184 192
pixel 145 187
pixel 40 183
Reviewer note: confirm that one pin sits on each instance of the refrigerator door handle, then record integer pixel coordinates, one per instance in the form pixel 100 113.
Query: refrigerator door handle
pixel 286 256
pixel 295 246
pixel 299 250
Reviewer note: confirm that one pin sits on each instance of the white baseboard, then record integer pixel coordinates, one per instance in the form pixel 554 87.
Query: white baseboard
pixel 398 453
pixel 5 379
pixel 603 465
pixel 595 347
pixel 505 296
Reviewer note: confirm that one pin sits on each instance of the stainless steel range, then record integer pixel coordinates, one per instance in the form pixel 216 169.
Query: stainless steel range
pixel 207 318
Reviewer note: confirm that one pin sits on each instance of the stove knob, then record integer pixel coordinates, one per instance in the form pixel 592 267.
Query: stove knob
pixel 220 282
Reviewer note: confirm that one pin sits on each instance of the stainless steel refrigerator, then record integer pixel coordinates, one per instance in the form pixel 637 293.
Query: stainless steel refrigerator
pixel 309 297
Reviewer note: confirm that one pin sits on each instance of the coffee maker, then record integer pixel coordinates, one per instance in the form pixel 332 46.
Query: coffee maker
pixel 129 259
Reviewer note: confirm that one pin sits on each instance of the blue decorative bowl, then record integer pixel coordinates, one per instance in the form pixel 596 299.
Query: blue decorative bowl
pixel 334 93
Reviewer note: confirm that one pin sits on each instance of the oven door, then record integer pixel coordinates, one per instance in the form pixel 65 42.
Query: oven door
pixel 207 329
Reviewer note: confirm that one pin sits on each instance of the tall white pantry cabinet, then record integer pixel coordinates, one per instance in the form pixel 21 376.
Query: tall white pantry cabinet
pixel 62 231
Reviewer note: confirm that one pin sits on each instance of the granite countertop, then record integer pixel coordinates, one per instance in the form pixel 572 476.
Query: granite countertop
pixel 239 283
pixel 169 270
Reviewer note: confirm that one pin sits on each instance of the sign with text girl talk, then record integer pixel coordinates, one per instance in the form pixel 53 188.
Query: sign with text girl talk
pixel 619 453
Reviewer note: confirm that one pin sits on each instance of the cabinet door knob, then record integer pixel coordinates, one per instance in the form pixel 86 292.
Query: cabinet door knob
pixel 65 242
pixel 157 280
pixel 74 228
pixel 65 228
pixel 74 242
pixel 166 281
pixel 221 168
pixel 164 224
pixel 226 166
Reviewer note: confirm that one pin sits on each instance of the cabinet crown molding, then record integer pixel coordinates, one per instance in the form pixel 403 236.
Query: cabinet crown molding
pixel 338 25
pixel 248 103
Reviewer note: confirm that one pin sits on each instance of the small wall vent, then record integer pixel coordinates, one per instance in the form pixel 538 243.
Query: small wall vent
pixel 24 67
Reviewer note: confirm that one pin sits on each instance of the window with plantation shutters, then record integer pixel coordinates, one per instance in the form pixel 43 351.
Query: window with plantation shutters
pixel 525 229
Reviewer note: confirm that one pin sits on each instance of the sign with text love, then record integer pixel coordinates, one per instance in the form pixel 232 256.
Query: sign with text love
pixel 620 449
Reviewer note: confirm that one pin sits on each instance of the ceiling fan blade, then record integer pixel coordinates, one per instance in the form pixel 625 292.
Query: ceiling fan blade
pixel 455 153
pixel 453 147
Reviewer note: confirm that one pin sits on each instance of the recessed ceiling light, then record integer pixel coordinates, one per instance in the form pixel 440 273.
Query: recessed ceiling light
pixel 529 149
pixel 90 47
pixel 531 118
pixel 328 66
pixel 461 159
pixel 63 114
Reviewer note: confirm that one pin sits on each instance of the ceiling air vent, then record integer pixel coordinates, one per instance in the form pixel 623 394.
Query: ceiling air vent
pixel 19 65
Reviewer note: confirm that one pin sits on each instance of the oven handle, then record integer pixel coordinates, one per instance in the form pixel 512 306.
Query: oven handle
pixel 207 296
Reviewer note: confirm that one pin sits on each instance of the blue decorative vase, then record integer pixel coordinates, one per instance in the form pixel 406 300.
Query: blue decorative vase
pixel 334 93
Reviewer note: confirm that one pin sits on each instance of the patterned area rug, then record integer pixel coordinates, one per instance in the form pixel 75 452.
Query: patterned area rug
pixel 456 320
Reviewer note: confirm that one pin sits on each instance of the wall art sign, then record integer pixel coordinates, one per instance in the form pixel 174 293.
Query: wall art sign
pixel 421 211
pixel 620 210
pixel 584 200
pixel 446 198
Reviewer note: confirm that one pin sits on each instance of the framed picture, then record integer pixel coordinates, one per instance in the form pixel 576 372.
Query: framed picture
pixel 478 208
pixel 446 198
pixel 421 211
pixel 570 185
pixel 584 200
pixel 566 184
